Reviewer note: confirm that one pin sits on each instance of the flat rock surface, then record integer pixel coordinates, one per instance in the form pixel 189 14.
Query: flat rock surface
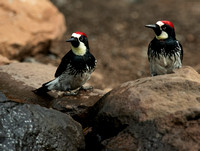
pixel 19 79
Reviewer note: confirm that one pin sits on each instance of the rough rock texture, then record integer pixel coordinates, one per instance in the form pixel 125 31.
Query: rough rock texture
pixel 29 27
pixel 32 127
pixel 19 79
pixel 78 106
pixel 155 113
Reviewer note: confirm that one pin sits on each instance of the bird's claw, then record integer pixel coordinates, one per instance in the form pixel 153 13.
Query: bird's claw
pixel 74 93
pixel 86 88
pixel 71 93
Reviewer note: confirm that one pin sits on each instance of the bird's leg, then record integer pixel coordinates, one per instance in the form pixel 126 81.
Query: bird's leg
pixel 86 88
pixel 71 93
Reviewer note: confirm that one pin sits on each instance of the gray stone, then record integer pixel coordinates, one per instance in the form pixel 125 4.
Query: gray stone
pixel 25 127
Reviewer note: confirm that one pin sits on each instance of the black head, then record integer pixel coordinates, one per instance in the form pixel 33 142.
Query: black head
pixel 79 43
pixel 163 29
pixel 77 38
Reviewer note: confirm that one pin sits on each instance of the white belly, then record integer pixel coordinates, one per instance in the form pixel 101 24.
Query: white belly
pixel 164 65
pixel 66 82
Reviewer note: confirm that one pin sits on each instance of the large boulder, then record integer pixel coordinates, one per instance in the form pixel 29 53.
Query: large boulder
pixel 154 113
pixel 29 27
pixel 32 127
pixel 18 80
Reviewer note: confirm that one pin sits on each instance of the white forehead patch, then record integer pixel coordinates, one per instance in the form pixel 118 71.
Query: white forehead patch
pixel 76 35
pixel 159 23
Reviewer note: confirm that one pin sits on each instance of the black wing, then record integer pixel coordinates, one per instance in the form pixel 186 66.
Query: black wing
pixel 176 47
pixel 90 61
pixel 149 51
pixel 170 46
pixel 64 63
pixel 152 50
pixel 181 55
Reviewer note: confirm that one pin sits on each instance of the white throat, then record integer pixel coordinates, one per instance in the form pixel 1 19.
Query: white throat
pixel 162 36
pixel 80 50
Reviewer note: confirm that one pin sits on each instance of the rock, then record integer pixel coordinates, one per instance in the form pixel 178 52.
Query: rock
pixel 123 141
pixel 197 68
pixel 4 60
pixel 60 3
pixel 32 127
pixel 29 27
pixel 19 79
pixel 31 74
pixel 153 113
pixel 78 106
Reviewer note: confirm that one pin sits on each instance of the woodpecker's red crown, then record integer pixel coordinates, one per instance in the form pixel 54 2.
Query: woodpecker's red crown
pixel 168 23
pixel 81 33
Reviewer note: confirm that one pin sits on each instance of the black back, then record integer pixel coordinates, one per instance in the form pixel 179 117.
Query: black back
pixel 76 64
pixel 167 47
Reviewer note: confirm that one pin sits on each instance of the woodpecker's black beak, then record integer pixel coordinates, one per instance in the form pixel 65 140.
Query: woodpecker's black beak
pixel 155 27
pixel 151 26
pixel 72 39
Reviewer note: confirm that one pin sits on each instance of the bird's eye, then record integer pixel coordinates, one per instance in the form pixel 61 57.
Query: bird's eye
pixel 164 28
pixel 81 38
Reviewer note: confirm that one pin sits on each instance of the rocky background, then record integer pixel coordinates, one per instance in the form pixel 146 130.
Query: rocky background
pixel 127 110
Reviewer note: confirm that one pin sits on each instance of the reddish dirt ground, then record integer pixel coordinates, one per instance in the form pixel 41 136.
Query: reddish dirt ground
pixel 118 38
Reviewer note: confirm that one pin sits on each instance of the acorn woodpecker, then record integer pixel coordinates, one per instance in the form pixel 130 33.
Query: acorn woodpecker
pixel 75 68
pixel 165 53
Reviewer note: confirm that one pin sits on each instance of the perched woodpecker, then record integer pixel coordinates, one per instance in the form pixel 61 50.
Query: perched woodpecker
pixel 75 68
pixel 165 53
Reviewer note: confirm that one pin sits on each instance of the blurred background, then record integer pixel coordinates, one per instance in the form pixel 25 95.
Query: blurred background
pixel 118 38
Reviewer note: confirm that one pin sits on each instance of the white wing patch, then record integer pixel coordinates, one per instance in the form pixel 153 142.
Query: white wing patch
pixel 52 83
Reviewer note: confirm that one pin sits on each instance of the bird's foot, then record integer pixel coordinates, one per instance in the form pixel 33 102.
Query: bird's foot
pixel 75 92
pixel 154 74
pixel 86 88
pixel 71 93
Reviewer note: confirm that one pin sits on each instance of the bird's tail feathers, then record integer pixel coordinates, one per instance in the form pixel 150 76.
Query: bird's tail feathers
pixel 43 89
